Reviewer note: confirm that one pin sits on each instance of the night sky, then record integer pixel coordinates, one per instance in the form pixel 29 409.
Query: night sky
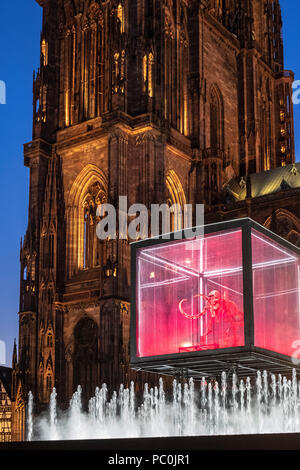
pixel 19 56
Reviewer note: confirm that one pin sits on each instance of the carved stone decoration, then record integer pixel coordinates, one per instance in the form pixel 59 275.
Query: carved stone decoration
pixel 184 38
pixel 69 352
pixel 169 23
pixel 26 319
pixel 82 306
pixel 94 11
pixel 124 308
pixel 118 135
pixel 169 26
pixel 142 138
pixel 85 24
pixel 94 15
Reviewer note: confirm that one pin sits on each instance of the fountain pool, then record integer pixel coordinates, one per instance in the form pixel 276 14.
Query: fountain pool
pixel 266 404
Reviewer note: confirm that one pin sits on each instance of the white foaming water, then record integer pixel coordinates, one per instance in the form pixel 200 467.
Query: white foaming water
pixel 269 404
pixel 30 417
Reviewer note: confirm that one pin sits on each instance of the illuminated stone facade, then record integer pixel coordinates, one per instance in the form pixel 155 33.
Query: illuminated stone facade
pixel 5 404
pixel 162 101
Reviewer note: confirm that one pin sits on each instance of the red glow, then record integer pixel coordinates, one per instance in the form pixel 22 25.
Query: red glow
pixel 175 312
pixel 190 295
pixel 276 295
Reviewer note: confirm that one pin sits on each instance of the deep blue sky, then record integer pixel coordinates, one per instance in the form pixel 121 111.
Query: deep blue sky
pixel 19 56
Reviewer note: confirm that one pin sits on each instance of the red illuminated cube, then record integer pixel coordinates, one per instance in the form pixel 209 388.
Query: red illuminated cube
pixel 230 297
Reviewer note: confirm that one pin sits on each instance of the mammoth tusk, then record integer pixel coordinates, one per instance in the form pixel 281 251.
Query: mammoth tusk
pixel 180 306
pixel 191 317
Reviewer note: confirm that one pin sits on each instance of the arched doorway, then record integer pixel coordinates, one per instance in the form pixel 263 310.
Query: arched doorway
pixel 85 358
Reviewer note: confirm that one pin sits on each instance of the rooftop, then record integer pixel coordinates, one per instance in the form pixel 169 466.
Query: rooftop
pixel 266 182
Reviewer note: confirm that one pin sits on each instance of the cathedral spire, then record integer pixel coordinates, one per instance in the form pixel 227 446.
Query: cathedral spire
pixel 15 356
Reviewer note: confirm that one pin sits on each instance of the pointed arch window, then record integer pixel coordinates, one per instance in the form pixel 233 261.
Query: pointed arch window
pixel 212 177
pixel 150 74
pixel 48 250
pixel 33 267
pixel 29 267
pixel 44 52
pixel 116 70
pixel 49 340
pixel 119 72
pixel 148 62
pixel 176 198
pixel 51 250
pixel 44 251
pixel 122 68
pixel 19 430
pixel 145 69
pixel 49 382
pixel 91 245
pixel 88 191
pixel 121 18
pixel 28 288
pixel 216 120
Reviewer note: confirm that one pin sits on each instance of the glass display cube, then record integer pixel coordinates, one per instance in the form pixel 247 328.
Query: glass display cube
pixel 230 296
pixel 276 291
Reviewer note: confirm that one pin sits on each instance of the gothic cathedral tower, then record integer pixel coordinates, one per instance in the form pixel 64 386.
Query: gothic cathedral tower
pixel 156 100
